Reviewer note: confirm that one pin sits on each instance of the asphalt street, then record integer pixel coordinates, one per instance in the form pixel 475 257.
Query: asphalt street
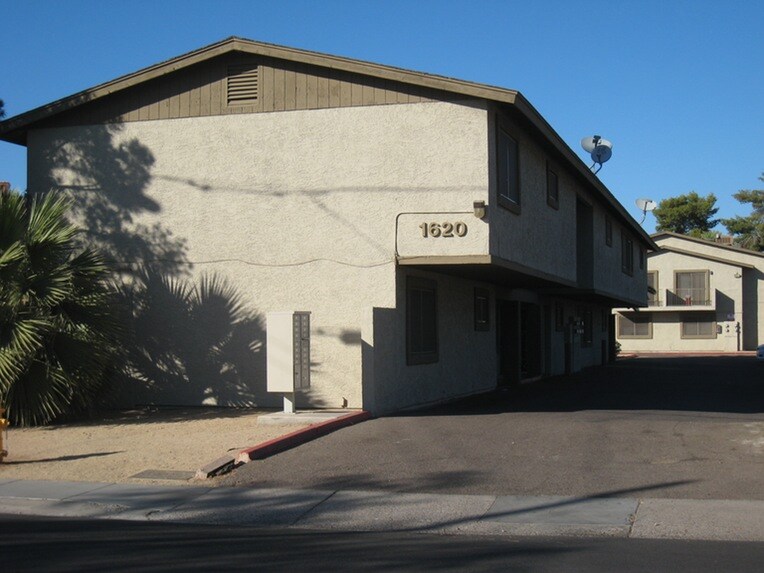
pixel 664 427
pixel 47 544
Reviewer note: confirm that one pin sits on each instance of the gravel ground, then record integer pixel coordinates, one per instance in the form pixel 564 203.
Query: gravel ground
pixel 120 445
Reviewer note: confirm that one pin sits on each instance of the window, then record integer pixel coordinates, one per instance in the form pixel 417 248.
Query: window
pixel 692 288
pixel 635 325
pixel 695 326
pixel 482 309
pixel 627 254
pixel 241 88
pixel 421 321
pixel 559 316
pixel 641 258
pixel 552 188
pixel 653 295
pixel 508 171
pixel 608 232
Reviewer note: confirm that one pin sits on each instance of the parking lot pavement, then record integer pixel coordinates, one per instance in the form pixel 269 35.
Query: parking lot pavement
pixel 661 427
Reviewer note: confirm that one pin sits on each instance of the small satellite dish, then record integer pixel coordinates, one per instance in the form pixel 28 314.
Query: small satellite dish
pixel 602 153
pixel 589 143
pixel 600 150
pixel 645 205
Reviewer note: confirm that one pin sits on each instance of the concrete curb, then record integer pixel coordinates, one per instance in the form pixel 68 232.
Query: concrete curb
pixel 301 436
pixel 228 463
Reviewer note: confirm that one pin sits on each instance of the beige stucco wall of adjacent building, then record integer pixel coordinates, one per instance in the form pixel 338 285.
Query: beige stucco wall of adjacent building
pixel 727 307
pixel 753 280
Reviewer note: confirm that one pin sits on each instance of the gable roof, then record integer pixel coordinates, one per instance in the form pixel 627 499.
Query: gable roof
pixel 738 250
pixel 14 129
pixel 697 255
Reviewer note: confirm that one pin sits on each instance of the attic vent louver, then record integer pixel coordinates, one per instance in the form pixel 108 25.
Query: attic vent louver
pixel 242 84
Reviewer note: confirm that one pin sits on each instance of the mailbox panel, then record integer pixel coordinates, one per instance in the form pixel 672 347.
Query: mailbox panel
pixel 288 351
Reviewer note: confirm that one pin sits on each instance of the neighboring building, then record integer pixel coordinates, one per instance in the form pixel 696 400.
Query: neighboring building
pixel 443 236
pixel 709 297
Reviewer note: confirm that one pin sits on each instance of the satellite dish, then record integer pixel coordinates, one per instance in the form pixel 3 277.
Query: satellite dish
pixel 589 143
pixel 600 150
pixel 645 205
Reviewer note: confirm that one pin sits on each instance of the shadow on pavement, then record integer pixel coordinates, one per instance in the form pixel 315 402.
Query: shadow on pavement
pixel 731 384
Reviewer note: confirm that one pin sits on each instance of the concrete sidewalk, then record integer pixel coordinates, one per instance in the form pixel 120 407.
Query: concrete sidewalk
pixel 731 520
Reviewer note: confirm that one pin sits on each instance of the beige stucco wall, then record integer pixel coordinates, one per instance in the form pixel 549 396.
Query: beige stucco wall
pixel 544 238
pixel 295 209
pixel 753 279
pixel 726 289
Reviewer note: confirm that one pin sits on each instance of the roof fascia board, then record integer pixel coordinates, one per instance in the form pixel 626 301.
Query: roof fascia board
pixel 702 256
pixel 746 252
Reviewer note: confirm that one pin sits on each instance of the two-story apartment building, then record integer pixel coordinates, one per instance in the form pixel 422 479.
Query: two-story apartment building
pixel 440 232
pixel 705 297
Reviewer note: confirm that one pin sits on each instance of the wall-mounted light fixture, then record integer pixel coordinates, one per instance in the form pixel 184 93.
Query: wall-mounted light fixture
pixel 738 275
pixel 479 209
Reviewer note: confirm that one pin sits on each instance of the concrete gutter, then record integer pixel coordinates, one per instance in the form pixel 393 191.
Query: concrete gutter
pixel 228 463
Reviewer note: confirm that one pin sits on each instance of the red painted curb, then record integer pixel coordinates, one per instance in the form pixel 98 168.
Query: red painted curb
pixel 301 436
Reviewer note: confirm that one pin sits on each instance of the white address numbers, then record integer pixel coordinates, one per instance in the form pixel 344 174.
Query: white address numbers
pixel 458 229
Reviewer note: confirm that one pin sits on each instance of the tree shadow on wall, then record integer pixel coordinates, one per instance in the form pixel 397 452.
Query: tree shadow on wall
pixel 190 344
pixel 107 175
pixel 194 343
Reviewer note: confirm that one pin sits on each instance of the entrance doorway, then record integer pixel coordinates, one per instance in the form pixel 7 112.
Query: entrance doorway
pixel 519 341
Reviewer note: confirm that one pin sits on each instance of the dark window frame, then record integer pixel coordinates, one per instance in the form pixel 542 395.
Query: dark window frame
pixel 552 187
pixel 559 316
pixel 482 311
pixel 421 351
pixel 608 232
pixel 627 254
pixel 507 168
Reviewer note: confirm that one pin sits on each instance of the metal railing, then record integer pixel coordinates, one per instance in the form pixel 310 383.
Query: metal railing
pixel 688 297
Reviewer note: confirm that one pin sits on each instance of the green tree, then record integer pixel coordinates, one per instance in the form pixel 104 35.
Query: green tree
pixel 2 109
pixel 688 214
pixel 749 231
pixel 59 330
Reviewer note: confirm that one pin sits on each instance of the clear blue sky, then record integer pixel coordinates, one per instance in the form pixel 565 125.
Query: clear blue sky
pixel 677 86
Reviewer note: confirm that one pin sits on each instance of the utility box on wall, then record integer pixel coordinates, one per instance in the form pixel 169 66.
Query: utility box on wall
pixel 288 348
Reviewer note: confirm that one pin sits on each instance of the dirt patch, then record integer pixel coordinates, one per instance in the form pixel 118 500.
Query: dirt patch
pixel 172 443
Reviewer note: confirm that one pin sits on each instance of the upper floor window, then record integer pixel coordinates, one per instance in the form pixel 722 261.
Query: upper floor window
pixel 508 171
pixel 552 188
pixel 653 295
pixel 627 254
pixel 692 288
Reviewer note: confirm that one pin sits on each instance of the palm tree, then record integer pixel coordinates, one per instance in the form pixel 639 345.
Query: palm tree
pixel 59 328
